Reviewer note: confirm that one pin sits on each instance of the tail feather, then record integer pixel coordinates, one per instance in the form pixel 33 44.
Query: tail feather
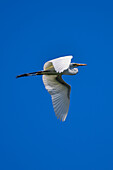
pixel 30 74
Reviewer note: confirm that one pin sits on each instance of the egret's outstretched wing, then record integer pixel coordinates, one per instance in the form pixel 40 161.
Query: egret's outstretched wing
pixel 60 93
pixel 60 64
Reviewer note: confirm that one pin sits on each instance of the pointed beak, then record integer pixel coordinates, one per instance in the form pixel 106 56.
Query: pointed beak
pixel 78 64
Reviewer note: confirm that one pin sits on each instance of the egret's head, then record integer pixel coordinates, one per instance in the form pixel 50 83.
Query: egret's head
pixel 73 67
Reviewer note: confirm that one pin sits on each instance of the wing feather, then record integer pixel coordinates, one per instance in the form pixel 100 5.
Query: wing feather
pixel 60 94
pixel 60 64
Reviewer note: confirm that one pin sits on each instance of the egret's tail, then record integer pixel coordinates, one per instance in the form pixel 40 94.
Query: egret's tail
pixel 30 74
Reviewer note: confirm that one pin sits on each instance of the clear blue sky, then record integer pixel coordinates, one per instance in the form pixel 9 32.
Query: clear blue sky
pixel 31 137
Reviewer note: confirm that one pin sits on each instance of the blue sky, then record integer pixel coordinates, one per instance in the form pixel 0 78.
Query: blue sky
pixel 31 33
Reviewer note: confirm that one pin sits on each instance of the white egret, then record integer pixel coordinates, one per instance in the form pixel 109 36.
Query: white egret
pixel 55 85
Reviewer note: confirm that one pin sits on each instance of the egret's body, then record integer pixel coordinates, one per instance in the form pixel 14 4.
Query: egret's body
pixel 55 85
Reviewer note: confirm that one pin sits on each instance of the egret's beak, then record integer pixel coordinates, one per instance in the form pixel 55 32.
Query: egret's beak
pixel 78 64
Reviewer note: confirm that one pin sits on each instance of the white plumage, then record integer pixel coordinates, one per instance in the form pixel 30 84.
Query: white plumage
pixel 55 85
pixel 57 88
pixel 60 64
pixel 60 94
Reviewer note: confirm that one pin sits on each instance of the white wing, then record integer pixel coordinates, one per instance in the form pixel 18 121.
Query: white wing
pixel 60 64
pixel 60 93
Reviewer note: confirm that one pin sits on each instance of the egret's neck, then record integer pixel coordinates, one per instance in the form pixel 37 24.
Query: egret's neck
pixel 71 71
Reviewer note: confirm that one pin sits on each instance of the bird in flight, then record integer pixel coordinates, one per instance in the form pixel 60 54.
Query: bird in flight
pixel 55 85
